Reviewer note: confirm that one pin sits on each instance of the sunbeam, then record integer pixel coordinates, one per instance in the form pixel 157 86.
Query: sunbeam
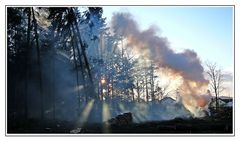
pixel 85 113
pixel 105 116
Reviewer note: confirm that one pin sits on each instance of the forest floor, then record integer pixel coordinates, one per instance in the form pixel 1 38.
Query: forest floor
pixel 220 123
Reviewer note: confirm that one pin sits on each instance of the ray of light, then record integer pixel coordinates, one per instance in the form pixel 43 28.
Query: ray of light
pixel 105 116
pixel 85 113
pixel 78 88
pixel 140 112
pixel 121 107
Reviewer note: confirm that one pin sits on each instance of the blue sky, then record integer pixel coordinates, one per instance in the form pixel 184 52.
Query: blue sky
pixel 206 30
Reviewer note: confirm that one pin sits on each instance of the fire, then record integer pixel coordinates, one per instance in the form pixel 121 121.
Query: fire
pixel 185 65
pixel 193 84
pixel 103 81
pixel 194 97
pixel 201 102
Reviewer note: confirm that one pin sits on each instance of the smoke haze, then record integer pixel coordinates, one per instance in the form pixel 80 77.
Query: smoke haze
pixel 185 64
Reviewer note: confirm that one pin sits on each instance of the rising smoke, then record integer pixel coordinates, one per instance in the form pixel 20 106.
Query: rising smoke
pixel 186 64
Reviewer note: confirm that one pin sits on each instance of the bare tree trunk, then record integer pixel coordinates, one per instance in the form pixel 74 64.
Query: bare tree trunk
pixel 216 98
pixel 39 64
pixel 26 63
pixel 146 86
pixel 133 98
pixel 112 88
pixel 79 54
pixel 53 92
pixel 98 88
pixel 83 49
pixel 74 34
pixel 77 78
pixel 90 90
pixel 138 91
pixel 216 79
pixel 53 77
pixel 122 48
pixel 107 87
pixel 152 82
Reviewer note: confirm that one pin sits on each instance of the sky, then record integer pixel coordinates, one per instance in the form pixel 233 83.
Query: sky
pixel 206 30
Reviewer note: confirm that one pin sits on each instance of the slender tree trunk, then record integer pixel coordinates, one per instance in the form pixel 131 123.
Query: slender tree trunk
pixel 90 90
pixel 101 48
pixel 152 82
pixel 107 87
pixel 74 34
pixel 84 55
pixel 83 50
pixel 79 53
pixel 26 64
pixel 112 88
pixel 39 64
pixel 138 91
pixel 122 49
pixel 215 88
pixel 76 67
pixel 98 88
pixel 53 76
pixel 53 92
pixel 146 85
pixel 132 93
pixel 216 98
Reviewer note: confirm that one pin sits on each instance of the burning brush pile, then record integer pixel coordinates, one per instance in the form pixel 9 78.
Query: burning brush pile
pixel 184 65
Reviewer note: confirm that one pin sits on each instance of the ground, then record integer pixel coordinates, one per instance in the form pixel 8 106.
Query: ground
pixel 220 122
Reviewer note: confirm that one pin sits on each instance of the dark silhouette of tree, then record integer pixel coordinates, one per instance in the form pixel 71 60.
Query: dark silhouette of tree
pixel 18 56
pixel 216 80
pixel 66 20
pixel 35 25
pixel 28 10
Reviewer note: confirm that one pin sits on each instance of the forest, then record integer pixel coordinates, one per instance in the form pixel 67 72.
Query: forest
pixel 68 71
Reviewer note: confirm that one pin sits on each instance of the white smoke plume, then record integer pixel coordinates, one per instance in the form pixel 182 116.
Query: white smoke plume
pixel 186 64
